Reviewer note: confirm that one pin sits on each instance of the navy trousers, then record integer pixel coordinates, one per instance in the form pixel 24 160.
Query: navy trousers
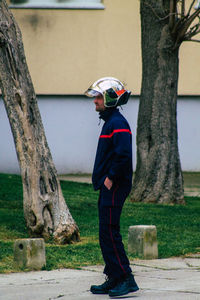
pixel 110 207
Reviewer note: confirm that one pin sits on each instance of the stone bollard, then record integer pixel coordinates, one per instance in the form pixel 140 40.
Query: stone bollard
pixel 30 253
pixel 142 241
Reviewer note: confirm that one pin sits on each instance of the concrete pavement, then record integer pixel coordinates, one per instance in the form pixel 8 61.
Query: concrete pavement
pixel 174 278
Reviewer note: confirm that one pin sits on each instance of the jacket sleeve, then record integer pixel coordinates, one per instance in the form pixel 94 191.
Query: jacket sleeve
pixel 122 150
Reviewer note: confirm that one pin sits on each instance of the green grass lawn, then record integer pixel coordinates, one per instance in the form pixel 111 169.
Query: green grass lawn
pixel 178 226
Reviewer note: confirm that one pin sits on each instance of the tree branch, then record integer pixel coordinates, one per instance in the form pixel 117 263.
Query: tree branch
pixel 183 8
pixel 172 14
pixel 192 4
pixel 184 27
pixel 178 25
pixel 192 33
pixel 168 16
pixel 193 30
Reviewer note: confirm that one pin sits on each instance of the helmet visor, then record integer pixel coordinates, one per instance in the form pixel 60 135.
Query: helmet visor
pixel 92 93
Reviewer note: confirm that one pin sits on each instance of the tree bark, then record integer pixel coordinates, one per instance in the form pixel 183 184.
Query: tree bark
pixel 45 209
pixel 158 177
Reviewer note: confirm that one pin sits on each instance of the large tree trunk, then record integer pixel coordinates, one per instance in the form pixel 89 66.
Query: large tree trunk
pixel 158 175
pixel 45 210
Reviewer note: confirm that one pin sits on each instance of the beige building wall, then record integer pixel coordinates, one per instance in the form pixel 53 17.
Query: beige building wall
pixel 68 49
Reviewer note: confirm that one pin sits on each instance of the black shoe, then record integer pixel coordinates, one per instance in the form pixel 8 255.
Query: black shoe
pixel 104 288
pixel 128 285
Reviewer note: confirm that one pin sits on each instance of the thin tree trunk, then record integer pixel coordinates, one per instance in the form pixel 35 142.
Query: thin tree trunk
pixel 45 210
pixel 158 175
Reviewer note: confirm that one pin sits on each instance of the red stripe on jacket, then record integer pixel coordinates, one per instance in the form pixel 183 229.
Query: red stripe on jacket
pixel 114 131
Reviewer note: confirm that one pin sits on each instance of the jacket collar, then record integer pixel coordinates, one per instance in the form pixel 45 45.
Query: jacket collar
pixel 105 115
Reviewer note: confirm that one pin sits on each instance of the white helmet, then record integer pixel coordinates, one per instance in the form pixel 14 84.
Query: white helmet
pixel 111 89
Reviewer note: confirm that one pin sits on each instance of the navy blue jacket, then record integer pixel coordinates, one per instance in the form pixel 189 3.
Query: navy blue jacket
pixel 114 151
